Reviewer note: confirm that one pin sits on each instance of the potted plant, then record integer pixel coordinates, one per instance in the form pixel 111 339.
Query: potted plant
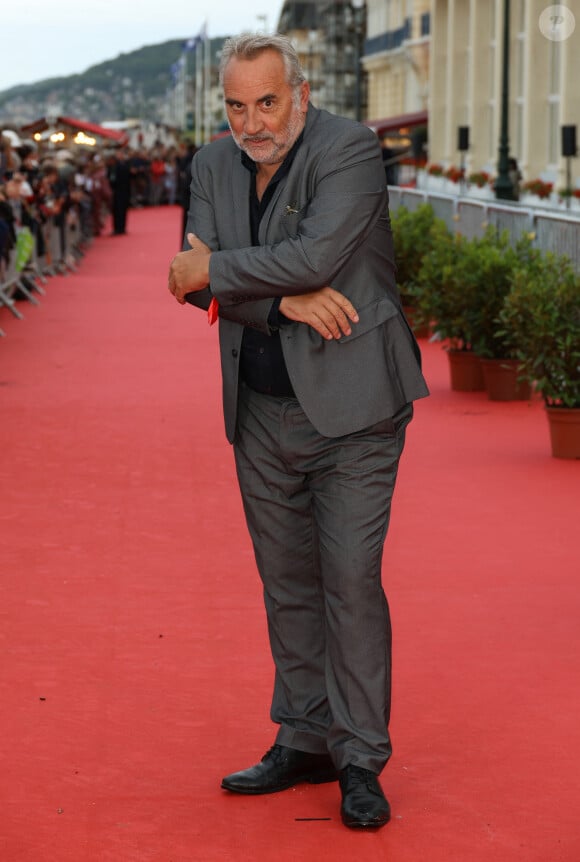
pixel 454 174
pixel 434 177
pixel 537 190
pixel 412 239
pixel 444 298
pixel 488 269
pixel 479 179
pixel 435 170
pixel 541 317
pixel 569 197
pixel 480 185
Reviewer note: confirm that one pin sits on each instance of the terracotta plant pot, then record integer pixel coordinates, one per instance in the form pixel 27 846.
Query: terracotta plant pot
pixel 501 380
pixel 564 425
pixel 465 371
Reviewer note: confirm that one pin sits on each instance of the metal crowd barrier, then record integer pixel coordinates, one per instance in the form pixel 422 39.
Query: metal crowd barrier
pixel 14 281
pixel 62 251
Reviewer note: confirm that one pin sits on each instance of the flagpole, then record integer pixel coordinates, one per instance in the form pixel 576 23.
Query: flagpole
pixel 197 44
pixel 207 84
pixel 183 77
pixel 198 95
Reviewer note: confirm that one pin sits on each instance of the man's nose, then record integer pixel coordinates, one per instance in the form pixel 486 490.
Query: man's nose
pixel 253 122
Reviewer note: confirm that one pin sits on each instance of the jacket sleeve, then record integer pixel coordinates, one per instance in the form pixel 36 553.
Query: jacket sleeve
pixel 201 221
pixel 348 198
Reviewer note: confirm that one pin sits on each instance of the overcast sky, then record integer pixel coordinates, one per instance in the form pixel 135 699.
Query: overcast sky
pixel 53 38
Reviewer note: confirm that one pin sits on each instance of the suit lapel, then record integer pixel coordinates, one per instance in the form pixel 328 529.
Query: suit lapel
pixel 240 201
pixel 273 207
pixel 282 201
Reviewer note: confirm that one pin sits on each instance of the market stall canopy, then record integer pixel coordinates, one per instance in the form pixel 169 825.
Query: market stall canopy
pixel 81 127
pixel 401 124
pixel 403 136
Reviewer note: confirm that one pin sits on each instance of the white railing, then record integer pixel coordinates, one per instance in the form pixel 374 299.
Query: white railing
pixel 550 230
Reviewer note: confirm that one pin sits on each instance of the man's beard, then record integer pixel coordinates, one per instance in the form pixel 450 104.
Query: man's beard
pixel 279 145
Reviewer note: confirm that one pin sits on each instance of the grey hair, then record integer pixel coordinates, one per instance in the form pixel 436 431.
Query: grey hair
pixel 247 46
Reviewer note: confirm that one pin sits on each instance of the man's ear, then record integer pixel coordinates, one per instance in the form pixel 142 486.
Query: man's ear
pixel 304 96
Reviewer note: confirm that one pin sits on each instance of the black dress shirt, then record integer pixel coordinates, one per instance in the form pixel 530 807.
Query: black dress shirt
pixel 262 364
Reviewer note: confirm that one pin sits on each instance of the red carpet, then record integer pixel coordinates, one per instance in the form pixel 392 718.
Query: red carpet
pixel 135 670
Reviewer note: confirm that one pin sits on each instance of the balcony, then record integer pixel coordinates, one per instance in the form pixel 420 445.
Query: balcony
pixel 389 41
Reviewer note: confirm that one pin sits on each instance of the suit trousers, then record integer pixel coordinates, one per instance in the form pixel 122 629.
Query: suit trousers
pixel 318 510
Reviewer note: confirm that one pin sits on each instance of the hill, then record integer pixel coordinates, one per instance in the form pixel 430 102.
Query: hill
pixel 131 85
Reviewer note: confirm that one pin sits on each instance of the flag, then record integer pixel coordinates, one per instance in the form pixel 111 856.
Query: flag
pixel 192 43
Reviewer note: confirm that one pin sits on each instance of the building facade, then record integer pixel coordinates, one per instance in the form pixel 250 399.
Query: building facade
pixel 365 60
pixel 466 84
pixel 413 69
pixel 301 22
pixel 328 36
pixel 396 57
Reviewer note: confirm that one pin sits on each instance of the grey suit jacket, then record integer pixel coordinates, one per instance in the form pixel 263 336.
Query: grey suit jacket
pixel 327 224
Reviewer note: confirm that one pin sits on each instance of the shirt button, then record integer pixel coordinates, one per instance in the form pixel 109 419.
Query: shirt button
pixel 234 353
pixel 261 350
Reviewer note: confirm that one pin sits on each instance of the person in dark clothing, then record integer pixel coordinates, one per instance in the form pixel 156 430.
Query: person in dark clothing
pixel 53 200
pixel 318 389
pixel 139 168
pixel 183 161
pixel 515 176
pixel 119 174
pixel 7 230
pixel 390 164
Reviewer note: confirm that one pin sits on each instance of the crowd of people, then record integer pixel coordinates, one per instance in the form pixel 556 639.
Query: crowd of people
pixel 86 193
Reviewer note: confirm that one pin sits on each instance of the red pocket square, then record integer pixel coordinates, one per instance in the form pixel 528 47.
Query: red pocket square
pixel 212 312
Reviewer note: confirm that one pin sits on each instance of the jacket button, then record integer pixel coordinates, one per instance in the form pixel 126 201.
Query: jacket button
pixel 234 353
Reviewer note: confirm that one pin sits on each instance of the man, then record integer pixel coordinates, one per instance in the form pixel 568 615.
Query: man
pixel 186 154
pixel 119 176
pixel 290 239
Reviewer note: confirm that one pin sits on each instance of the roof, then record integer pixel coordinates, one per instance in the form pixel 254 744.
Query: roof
pixel 40 125
pixel 395 124
pixel 120 137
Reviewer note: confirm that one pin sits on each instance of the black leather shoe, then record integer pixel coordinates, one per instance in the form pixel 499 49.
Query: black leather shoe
pixel 363 801
pixel 281 768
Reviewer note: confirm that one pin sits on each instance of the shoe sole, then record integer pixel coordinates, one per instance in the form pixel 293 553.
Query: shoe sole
pixel 321 778
pixel 365 824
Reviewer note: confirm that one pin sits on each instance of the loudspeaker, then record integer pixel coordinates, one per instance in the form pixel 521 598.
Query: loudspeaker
pixel 463 138
pixel 419 142
pixel 569 141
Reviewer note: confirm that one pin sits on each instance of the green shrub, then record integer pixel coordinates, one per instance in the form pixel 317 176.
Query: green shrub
pixel 412 239
pixel 487 270
pixel 541 318
pixel 440 293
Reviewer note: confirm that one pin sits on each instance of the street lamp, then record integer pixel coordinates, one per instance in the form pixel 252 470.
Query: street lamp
pixel 359 26
pixel 504 188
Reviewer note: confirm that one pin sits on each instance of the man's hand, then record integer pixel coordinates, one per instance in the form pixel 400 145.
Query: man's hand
pixel 189 270
pixel 327 311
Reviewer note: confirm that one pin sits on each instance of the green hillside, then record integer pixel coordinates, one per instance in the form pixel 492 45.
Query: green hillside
pixel 133 83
